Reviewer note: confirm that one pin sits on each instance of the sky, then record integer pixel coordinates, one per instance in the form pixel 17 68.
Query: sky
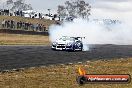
pixel 114 9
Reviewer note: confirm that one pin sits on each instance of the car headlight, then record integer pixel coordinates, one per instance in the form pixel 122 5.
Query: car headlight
pixel 54 43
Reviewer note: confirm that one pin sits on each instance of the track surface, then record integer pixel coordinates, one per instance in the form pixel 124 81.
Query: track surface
pixel 28 56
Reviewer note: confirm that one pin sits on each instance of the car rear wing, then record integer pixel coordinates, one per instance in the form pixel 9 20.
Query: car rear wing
pixel 79 38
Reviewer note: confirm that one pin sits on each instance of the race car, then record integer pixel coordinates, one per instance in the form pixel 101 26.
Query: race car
pixel 68 44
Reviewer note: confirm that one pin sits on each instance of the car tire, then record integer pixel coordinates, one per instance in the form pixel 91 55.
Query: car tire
pixel 53 49
pixel 73 49
pixel 81 47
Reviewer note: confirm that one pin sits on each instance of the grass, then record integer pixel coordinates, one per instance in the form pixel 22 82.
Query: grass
pixel 21 39
pixel 64 76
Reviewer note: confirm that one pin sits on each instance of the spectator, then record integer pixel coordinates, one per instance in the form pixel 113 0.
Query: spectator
pixel 40 16
pixel 8 23
pixel 11 24
pixel 18 25
pixel 3 23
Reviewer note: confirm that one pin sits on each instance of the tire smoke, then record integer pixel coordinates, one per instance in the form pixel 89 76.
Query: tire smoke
pixel 94 33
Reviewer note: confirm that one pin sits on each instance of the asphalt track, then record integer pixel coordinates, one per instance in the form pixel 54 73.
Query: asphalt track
pixel 14 57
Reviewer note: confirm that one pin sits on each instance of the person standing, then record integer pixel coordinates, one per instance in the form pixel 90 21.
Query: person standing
pixel 3 23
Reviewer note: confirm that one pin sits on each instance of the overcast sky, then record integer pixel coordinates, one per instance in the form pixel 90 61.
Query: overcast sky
pixel 43 5
pixel 117 9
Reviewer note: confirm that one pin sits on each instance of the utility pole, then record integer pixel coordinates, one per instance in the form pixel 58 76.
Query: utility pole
pixel 49 11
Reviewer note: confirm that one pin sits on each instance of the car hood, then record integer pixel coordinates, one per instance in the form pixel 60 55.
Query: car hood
pixel 64 42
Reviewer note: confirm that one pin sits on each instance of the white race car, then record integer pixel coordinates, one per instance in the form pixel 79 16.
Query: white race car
pixel 68 43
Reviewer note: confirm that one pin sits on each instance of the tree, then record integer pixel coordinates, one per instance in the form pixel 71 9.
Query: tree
pixel 61 11
pixel 75 8
pixel 9 2
pixel 18 5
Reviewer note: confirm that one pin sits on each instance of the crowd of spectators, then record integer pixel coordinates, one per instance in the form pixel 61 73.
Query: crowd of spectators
pixel 16 25
pixel 4 12
pixel 29 14
pixel 7 12
pixel 22 14
pixel 18 13
pixel 19 25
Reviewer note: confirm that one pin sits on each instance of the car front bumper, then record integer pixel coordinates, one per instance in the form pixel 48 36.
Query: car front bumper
pixel 62 47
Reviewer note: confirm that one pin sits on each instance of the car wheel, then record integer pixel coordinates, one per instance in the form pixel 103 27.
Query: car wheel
pixel 73 49
pixel 53 49
pixel 81 49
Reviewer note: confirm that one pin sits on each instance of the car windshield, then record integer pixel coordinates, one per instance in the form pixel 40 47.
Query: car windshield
pixel 67 38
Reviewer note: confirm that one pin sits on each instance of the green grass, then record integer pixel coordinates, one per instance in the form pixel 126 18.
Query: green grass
pixel 64 76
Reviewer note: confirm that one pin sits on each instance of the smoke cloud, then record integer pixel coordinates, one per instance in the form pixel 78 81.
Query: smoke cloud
pixel 95 33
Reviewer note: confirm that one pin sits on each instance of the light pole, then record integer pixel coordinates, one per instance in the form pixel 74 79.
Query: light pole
pixel 49 11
